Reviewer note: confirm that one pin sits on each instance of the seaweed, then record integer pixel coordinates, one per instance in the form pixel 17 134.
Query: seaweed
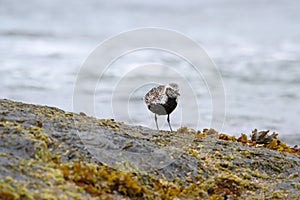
pixel 42 157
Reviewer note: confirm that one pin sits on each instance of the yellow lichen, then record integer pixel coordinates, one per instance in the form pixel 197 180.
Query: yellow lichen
pixel 256 173
pixel 109 123
pixel 200 135
pixel 223 136
pixel 11 189
pixel 243 138
pixel 98 180
pixel 218 173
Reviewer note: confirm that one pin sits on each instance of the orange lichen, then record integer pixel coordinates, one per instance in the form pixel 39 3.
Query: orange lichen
pixel 262 139
pixel 227 187
pixel 281 146
pixel 204 169
pixel 7 195
pixel 200 135
pixel 110 123
pixel 223 136
pixel 210 132
pixel 243 138
pixel 98 180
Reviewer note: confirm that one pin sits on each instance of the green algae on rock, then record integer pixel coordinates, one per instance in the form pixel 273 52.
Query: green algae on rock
pixel 43 157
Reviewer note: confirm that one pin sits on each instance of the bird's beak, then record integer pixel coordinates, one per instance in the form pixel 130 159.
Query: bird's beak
pixel 177 92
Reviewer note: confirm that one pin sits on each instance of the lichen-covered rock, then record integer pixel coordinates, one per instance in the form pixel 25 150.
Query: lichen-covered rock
pixel 47 153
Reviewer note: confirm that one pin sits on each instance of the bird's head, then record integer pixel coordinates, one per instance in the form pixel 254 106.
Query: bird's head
pixel 172 90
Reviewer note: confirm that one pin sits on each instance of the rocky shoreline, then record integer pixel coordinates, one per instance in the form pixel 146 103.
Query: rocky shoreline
pixel 47 153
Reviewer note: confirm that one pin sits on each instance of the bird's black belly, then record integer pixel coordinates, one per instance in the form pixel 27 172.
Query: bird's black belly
pixel 163 109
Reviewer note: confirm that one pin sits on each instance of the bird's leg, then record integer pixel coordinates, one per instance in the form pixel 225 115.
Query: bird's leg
pixel 155 117
pixel 168 119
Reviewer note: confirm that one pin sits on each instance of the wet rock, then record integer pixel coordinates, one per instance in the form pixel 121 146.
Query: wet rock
pixel 48 153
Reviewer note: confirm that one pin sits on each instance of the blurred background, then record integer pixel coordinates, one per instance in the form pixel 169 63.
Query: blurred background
pixel 255 45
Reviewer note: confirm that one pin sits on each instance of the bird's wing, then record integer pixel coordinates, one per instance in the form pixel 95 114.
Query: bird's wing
pixel 155 95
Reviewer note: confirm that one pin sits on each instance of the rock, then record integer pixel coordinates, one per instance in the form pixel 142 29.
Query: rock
pixel 48 153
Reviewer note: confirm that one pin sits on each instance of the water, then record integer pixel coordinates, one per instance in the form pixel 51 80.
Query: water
pixel 255 44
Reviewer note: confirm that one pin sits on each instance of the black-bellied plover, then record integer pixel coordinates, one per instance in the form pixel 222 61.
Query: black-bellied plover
pixel 162 100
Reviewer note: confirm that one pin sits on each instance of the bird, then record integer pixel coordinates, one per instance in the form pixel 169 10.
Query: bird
pixel 162 100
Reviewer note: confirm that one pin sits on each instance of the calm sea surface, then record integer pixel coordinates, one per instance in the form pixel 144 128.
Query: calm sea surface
pixel 254 44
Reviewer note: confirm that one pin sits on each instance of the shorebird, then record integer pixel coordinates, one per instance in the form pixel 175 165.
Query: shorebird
pixel 162 100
